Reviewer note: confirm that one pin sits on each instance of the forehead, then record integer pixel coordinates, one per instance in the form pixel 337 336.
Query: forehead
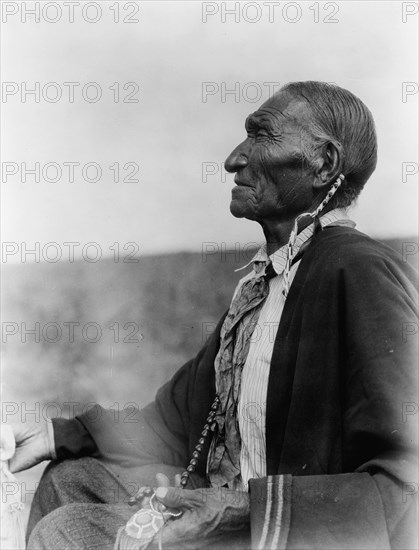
pixel 280 108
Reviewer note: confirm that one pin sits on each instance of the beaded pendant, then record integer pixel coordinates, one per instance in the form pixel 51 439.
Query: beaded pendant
pixel 143 526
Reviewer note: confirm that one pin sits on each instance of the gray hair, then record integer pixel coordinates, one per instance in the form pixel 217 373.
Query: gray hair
pixel 341 118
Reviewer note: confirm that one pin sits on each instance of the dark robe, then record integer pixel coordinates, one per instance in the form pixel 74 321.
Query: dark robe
pixel 341 427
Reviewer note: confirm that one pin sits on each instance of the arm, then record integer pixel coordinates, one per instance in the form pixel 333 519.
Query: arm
pixel 158 433
pixel 132 437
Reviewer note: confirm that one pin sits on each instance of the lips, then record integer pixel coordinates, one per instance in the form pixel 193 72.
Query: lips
pixel 241 183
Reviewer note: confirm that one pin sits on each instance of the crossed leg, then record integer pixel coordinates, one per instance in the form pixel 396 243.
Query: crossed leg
pixel 80 504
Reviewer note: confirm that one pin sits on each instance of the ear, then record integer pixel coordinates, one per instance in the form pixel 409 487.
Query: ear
pixel 329 166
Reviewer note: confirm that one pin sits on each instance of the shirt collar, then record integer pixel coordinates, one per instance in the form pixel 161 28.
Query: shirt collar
pixel 338 216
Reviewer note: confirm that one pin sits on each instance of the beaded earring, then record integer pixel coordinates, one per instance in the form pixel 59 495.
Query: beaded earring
pixel 293 236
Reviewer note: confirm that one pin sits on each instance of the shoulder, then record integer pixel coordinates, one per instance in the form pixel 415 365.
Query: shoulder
pixel 346 251
pixel 346 242
pixel 349 246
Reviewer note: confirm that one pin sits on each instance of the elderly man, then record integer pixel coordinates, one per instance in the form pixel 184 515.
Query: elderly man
pixel 288 425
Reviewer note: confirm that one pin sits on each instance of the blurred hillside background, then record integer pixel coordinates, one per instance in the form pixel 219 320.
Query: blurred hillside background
pixel 170 302
pixel 113 332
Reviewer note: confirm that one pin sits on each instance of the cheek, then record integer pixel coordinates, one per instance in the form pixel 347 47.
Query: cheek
pixel 276 176
pixel 282 172
pixel 273 174
pixel 274 166
pixel 262 167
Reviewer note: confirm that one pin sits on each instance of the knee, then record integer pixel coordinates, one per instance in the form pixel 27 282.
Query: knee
pixel 61 484
pixel 78 527
pixel 68 470
pixel 51 532
pixel 59 476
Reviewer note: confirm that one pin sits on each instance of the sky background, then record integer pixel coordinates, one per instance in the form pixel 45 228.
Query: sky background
pixel 171 131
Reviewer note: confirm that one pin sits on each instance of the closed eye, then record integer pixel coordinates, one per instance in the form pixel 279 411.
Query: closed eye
pixel 254 130
pixel 260 135
pixel 259 128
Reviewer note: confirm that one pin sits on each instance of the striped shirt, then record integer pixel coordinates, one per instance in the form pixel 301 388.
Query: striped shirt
pixel 254 383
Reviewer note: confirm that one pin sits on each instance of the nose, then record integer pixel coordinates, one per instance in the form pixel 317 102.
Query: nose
pixel 237 159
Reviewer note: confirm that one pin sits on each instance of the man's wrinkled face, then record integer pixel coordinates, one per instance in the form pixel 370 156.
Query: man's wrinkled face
pixel 271 180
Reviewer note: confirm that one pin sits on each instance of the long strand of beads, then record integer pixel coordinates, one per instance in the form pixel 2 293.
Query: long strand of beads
pixel 148 491
pixel 148 521
pixel 200 445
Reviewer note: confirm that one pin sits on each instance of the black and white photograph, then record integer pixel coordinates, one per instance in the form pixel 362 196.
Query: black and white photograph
pixel 209 275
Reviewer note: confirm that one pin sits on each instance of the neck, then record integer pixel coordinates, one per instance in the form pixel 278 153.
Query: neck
pixel 277 234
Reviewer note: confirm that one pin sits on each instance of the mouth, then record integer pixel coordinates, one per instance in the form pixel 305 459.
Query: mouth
pixel 240 183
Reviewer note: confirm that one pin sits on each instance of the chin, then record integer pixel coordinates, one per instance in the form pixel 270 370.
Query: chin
pixel 240 211
pixel 236 211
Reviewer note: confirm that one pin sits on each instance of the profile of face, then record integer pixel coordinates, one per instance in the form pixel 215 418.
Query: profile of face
pixel 272 183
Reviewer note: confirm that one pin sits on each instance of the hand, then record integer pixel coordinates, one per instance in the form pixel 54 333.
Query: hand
pixel 32 445
pixel 207 513
pixel 144 493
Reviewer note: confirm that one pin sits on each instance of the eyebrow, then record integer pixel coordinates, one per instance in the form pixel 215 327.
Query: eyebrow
pixel 258 121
